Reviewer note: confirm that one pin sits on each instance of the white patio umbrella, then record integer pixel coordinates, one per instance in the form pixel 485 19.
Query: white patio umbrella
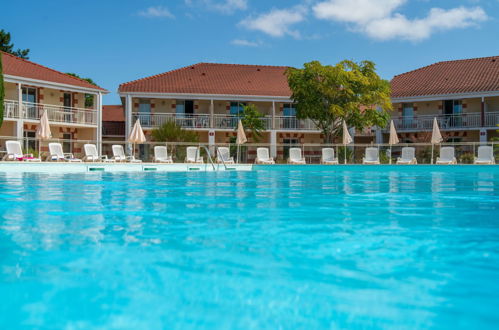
pixel 394 139
pixel 347 139
pixel 137 135
pixel 241 137
pixel 43 131
pixel 436 136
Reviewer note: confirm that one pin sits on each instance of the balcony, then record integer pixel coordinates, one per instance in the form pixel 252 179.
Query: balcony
pixel 56 113
pixel 446 122
pixel 224 122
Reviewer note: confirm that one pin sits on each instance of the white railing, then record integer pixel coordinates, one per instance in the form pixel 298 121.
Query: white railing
pixel 56 113
pixel 465 120
pixel 11 109
pixel 491 119
pixel 292 123
pixel 230 121
pixel 150 120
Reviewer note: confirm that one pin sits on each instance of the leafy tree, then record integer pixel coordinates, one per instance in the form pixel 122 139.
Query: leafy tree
pixel 172 132
pixel 2 92
pixel 89 98
pixel 8 47
pixel 251 119
pixel 348 91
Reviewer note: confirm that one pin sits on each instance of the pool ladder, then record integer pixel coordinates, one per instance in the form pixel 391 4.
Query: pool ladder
pixel 215 168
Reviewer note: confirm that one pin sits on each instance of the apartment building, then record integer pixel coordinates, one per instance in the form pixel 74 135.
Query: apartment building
pixel 73 105
pixel 463 95
pixel 208 99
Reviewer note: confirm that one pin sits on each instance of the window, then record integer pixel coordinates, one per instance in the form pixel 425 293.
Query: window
pixel 236 108
pixel 185 107
pixel 67 145
pixel 289 110
pixel 453 110
pixel 30 142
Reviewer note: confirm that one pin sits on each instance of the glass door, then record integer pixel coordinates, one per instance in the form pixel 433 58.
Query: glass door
pixel 29 101
pixel 407 115
pixel 68 104
pixel 289 112
pixel 145 112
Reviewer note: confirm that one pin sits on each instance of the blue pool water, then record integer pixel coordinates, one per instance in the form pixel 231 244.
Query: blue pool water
pixel 335 247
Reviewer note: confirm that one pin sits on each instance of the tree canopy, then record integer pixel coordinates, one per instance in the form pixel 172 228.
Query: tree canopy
pixel 350 91
pixel 8 47
pixel 170 131
pixel 251 119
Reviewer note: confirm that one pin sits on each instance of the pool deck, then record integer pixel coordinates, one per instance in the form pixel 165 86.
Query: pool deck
pixel 54 167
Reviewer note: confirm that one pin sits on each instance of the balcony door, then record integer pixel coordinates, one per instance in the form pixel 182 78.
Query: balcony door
pixel 289 112
pixel 29 99
pixel 68 104
pixel 145 112
pixel 453 110
pixel 407 115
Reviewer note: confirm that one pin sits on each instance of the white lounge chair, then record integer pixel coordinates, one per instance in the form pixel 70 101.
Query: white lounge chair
pixel 328 157
pixel 223 156
pixel 91 154
pixel 119 155
pixel 263 157
pixel 485 156
pixel 58 155
pixel 371 157
pixel 15 152
pixel 161 155
pixel 295 157
pixel 194 156
pixel 408 156
pixel 446 156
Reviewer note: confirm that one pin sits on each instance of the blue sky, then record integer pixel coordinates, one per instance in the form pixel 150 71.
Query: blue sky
pixel 119 41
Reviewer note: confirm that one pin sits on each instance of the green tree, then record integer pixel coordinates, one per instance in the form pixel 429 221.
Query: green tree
pixel 171 132
pixel 89 98
pixel 348 91
pixel 2 92
pixel 252 121
pixel 8 47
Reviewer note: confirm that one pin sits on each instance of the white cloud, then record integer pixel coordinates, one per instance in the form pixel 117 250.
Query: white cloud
pixel 225 6
pixel 245 43
pixel 378 19
pixel 156 12
pixel 277 22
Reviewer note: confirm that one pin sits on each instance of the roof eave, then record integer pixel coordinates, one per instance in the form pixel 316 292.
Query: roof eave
pixel 437 97
pixel 52 84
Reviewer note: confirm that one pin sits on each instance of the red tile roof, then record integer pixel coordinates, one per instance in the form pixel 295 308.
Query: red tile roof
pixel 218 79
pixel 113 113
pixel 450 77
pixel 15 66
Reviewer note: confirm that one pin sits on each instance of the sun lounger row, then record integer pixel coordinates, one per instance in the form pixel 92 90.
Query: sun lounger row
pixel 193 155
pixel 371 157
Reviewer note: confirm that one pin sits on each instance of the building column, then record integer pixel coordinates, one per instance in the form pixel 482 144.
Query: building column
pixel 212 114
pixel 273 143
pixel 20 111
pixel 483 135
pixel 99 122
pixel 482 113
pixel 273 115
pixel 211 142
pixel 128 120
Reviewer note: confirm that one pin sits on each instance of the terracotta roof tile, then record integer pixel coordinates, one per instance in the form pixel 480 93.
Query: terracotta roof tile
pixel 218 79
pixel 113 113
pixel 450 77
pixel 15 66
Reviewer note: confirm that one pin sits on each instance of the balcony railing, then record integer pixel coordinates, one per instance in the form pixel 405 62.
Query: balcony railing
pixel 446 122
pixel 184 120
pixel 292 123
pixel 230 121
pixel 56 113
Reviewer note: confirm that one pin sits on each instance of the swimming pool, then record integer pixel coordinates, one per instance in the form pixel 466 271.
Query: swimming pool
pixel 278 247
